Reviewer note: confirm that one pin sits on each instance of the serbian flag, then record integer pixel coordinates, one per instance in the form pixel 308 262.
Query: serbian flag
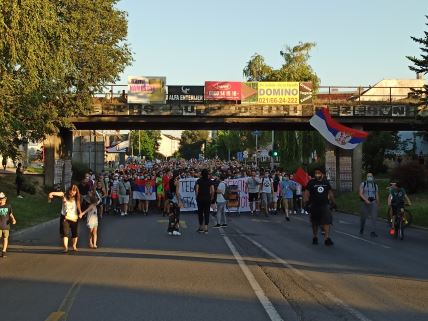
pixel 335 133
pixel 301 177
pixel 144 189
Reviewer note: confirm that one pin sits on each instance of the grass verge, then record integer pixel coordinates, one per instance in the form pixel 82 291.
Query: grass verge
pixel 30 210
pixel 350 203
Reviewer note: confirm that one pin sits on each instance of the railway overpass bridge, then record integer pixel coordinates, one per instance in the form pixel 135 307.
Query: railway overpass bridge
pixel 394 109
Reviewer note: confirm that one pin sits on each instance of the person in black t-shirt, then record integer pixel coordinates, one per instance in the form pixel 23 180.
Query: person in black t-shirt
pixel 204 190
pixel 6 217
pixel 318 195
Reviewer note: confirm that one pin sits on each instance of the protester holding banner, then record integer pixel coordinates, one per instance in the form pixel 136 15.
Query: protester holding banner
pixel 221 203
pixel 204 191
pixel 253 187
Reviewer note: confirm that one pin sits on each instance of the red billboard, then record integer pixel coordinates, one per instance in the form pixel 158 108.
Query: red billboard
pixel 222 90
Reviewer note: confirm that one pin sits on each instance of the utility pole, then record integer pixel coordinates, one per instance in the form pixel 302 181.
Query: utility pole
pixel 139 143
pixel 257 153
pixel 273 147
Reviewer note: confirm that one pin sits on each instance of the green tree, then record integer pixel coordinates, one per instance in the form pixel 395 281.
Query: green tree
pixel 295 146
pixel 191 143
pixel 376 149
pixel 147 140
pixel 420 65
pixel 54 55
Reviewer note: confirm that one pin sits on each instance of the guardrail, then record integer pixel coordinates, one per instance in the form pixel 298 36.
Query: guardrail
pixel 325 94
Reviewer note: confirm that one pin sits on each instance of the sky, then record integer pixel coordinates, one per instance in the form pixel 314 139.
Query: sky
pixel 358 43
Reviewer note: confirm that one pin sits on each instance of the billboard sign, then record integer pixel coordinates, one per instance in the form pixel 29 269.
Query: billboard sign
pixel 146 90
pixel 222 90
pixel 278 93
pixel 185 94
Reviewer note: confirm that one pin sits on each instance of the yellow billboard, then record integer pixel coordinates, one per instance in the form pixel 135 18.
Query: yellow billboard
pixel 278 93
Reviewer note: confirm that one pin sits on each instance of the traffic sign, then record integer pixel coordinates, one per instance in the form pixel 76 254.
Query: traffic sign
pixel 256 133
pixel 245 154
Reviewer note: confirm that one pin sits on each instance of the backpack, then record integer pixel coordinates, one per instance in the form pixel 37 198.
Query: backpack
pixel 365 185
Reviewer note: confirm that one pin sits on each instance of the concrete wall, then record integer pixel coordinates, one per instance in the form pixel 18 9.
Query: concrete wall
pixel 89 149
pixel 382 90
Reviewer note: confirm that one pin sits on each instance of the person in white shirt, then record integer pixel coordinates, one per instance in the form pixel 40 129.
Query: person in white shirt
pixel 266 193
pixel 221 203
pixel 253 187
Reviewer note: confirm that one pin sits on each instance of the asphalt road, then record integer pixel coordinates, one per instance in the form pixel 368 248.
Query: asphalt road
pixel 256 269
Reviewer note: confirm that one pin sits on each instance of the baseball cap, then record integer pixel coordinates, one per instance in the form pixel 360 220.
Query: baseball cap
pixel 2 195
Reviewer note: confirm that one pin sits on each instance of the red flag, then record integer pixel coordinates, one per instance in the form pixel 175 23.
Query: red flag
pixel 301 177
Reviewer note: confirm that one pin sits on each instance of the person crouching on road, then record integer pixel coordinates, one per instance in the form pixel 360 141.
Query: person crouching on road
pixel 69 218
pixel 6 216
pixel 92 219
pixel 318 195
pixel 369 195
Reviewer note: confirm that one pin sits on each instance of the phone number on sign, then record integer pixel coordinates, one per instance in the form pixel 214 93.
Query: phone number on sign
pixel 279 100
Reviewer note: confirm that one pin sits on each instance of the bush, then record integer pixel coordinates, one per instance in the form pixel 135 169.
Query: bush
pixel 28 187
pixel 412 176
pixel 79 170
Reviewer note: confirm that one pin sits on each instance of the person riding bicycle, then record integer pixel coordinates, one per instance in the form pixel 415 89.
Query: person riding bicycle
pixel 396 200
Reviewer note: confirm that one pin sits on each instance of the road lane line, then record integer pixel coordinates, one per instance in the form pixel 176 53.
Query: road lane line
pixel 352 236
pixel 56 316
pixel 264 300
pixel 361 239
pixel 328 294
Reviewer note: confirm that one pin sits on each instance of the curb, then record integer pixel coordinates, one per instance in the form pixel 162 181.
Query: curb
pixel 34 228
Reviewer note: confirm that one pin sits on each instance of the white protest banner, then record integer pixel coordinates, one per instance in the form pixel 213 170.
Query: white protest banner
pixel 244 205
pixel 187 194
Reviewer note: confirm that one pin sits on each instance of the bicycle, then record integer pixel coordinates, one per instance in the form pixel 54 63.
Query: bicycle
pixel 404 218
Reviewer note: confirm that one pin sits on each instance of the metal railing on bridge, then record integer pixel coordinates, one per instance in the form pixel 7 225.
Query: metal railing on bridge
pixel 373 101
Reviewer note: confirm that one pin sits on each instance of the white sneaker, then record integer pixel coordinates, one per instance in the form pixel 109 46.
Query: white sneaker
pixel 176 233
pixel 20 196
pixel 169 233
pixel 122 214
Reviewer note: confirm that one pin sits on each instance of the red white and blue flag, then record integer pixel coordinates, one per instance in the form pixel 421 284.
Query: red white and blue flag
pixel 336 133
pixel 144 189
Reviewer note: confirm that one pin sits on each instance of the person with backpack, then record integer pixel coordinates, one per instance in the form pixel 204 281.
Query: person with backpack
pixel 266 193
pixel 369 195
pixel 221 203
pixel 396 200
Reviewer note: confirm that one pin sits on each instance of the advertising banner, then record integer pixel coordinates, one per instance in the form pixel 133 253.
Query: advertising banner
pixel 187 192
pixel 278 93
pixel 249 94
pixel 185 94
pixel 146 90
pixel 222 90
pixel 305 93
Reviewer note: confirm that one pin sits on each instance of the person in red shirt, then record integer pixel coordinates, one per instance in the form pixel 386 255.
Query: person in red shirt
pixel 165 181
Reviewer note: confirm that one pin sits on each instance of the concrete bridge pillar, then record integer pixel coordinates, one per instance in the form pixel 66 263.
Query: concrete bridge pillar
pixel 357 165
pixel 57 148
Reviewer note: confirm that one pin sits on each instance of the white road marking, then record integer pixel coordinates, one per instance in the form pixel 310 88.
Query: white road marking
pixel 352 236
pixel 361 239
pixel 264 300
pixel 328 294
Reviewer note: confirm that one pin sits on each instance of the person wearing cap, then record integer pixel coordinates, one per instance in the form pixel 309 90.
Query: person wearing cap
pixel 317 197
pixel 6 216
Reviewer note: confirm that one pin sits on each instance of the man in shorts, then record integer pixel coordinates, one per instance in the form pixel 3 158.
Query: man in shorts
pixel 266 190
pixel 253 187
pixel 124 192
pixel 318 195
pixel 6 216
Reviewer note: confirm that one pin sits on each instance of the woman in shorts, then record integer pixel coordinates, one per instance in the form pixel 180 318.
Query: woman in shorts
pixel 70 212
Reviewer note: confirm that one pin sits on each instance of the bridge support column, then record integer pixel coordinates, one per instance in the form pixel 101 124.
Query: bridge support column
pixel 56 148
pixel 339 168
pixel 357 166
